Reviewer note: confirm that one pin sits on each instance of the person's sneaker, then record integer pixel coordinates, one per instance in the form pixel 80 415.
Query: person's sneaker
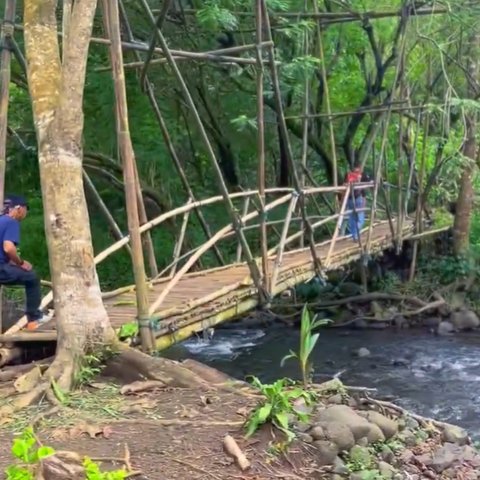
pixel 34 324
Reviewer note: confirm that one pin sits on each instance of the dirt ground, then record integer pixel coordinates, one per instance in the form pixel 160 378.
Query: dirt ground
pixel 170 434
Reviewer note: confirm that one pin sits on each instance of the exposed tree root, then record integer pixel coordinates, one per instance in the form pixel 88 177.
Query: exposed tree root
pixel 424 421
pixel 365 298
pixel 127 366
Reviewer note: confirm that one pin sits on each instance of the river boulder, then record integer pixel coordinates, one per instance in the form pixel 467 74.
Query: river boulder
pixel 465 320
pixel 327 452
pixel 387 426
pixel 362 352
pixel 359 426
pixel 335 432
pixel 454 434
pixel 445 328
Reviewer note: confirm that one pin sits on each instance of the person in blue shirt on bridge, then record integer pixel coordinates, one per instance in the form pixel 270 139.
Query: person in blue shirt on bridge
pixel 13 269
pixel 357 201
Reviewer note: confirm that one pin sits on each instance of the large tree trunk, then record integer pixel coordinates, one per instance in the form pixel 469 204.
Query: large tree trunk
pixel 463 208
pixel 56 88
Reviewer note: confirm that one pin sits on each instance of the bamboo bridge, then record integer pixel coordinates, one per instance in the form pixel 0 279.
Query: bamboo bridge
pixel 297 234
pixel 183 302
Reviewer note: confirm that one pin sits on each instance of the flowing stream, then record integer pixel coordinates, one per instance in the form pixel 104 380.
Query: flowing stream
pixel 433 376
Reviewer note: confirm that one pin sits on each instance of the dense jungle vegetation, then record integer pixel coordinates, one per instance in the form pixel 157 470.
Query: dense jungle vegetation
pixel 423 62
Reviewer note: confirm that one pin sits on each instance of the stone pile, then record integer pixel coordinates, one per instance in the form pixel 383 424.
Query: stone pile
pixel 353 443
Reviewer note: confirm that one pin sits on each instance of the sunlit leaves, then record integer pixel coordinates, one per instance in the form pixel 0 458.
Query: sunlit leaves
pixel 213 16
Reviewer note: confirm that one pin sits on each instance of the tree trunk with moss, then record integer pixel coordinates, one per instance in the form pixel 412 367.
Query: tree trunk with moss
pixel 464 205
pixel 56 88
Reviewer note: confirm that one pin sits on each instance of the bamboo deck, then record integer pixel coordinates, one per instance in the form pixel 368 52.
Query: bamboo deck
pixel 203 299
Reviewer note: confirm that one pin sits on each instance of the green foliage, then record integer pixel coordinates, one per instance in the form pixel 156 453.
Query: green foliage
pixel 93 472
pixel 308 340
pixel 128 330
pixel 278 406
pixel 27 451
pixel 90 368
pixel 214 17
pixel 446 270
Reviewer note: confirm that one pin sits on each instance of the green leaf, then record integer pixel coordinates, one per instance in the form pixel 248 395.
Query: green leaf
pixel 264 412
pixel 14 472
pixel 311 344
pixel 62 398
pixel 252 426
pixel 282 419
pixel 288 357
pixel 44 452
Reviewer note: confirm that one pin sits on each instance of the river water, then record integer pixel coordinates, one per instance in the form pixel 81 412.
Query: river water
pixel 434 376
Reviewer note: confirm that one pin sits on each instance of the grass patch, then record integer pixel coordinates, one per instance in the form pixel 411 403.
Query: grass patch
pixel 104 402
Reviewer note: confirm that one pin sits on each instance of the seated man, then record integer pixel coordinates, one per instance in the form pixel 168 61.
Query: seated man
pixel 13 269
pixel 356 202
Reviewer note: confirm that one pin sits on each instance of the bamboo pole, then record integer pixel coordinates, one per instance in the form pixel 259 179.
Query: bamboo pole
pixel 149 90
pixel 349 16
pixel 246 204
pixel 6 36
pixel 221 233
pixel 158 25
pixel 323 71
pixel 143 219
pixel 305 124
pixel 218 172
pixel 419 209
pixel 261 143
pixel 128 160
pixel 284 133
pixel 384 142
pixel 100 257
pixel 281 246
pixel 179 244
pixel 338 226
pixel 104 209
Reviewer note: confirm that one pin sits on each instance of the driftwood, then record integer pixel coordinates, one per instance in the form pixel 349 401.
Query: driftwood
pixel 233 450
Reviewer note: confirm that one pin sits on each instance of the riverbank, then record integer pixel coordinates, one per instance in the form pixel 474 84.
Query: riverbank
pixel 167 433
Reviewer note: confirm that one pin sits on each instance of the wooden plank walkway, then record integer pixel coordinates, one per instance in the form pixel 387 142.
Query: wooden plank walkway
pixel 203 299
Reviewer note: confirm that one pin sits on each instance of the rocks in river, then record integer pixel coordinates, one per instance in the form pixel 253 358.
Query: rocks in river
pixel 445 328
pixel 336 399
pixel 431 322
pixel 388 427
pixel 339 467
pixel 336 432
pixel 454 434
pixel 465 320
pixel 326 453
pixel 358 425
pixel 387 472
pixel 450 456
pixel 362 352
pixel 361 456
pixel 387 454
pixel 407 437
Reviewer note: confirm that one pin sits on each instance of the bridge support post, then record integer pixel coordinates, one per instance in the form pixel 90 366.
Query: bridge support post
pixel 284 134
pixel 236 221
pixel 5 73
pixel 261 145
pixel 129 173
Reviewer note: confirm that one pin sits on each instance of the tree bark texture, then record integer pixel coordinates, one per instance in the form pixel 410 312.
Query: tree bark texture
pixel 56 89
pixel 463 210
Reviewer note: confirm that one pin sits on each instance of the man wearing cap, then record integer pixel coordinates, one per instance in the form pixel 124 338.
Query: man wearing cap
pixel 13 269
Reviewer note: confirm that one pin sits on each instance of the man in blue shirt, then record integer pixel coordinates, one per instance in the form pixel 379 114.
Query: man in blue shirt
pixel 13 269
